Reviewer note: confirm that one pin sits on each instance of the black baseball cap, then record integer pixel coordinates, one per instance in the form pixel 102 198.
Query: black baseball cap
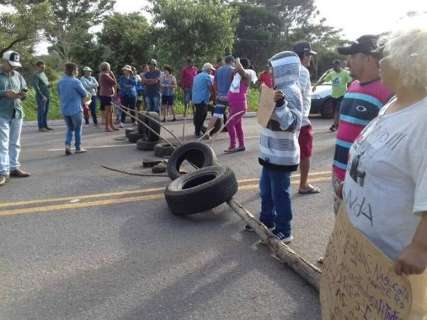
pixel 303 47
pixel 367 44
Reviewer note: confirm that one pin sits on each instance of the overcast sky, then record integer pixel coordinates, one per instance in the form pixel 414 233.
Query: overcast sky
pixel 355 17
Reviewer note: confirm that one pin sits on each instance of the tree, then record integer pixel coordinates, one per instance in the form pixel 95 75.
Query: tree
pixel 20 24
pixel 71 20
pixel 258 34
pixel 125 39
pixel 193 28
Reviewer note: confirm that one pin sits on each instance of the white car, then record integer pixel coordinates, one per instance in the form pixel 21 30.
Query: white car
pixel 322 102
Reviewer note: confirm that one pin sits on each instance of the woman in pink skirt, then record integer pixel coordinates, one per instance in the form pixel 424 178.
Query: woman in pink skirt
pixel 238 105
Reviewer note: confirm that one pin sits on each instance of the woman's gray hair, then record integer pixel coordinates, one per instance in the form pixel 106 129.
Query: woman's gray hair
pixel 406 50
pixel 104 66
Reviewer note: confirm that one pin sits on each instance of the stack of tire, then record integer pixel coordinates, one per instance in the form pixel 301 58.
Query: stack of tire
pixel 204 189
pixel 145 138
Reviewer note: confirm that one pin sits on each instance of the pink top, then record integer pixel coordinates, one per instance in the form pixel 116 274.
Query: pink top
pixel 107 85
pixel 360 105
pixel 237 94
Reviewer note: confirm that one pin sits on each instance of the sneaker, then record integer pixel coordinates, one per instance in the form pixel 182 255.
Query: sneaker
pixel 43 130
pixel 18 173
pixel 3 180
pixel 49 128
pixel 121 125
pixel 285 238
pixel 81 150
pixel 68 151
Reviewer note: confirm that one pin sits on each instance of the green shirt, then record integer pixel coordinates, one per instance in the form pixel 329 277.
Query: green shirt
pixel 41 84
pixel 9 107
pixel 340 81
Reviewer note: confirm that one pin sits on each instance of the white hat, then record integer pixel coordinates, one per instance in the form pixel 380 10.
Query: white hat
pixel 13 58
pixel 87 69
pixel 127 67
pixel 208 66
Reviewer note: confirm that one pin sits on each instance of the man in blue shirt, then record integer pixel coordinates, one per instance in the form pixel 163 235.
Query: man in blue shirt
pixel 202 91
pixel 151 81
pixel 223 79
pixel 12 90
pixel 71 94
pixel 128 93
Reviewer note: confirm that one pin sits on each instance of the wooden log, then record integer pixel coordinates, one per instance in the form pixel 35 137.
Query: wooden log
pixel 285 254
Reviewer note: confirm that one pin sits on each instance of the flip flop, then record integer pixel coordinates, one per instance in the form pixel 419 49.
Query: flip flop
pixel 310 190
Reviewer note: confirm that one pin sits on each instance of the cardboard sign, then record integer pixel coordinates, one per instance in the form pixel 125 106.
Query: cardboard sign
pixel 266 105
pixel 358 280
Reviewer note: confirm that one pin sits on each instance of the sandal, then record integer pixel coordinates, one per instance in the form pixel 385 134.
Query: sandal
pixel 309 190
pixel 231 150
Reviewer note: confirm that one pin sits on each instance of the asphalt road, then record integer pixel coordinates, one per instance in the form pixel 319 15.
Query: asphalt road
pixel 80 242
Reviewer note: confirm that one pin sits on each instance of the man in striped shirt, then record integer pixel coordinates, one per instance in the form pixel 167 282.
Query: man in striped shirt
pixel 362 102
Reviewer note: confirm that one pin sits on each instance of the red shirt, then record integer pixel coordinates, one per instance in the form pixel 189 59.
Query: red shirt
pixel 187 75
pixel 266 78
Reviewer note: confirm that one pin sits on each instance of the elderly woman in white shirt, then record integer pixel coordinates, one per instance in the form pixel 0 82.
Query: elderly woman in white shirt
pixel 385 189
pixel 91 85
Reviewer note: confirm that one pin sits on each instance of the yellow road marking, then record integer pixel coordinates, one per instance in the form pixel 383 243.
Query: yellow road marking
pixel 129 192
pixel 107 202
pixel 80 197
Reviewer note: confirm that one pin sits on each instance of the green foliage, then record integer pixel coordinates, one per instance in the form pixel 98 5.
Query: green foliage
pixel 203 30
pixel 67 31
pixel 19 24
pixel 125 40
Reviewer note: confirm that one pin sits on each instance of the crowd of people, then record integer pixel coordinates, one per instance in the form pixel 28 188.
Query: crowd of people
pixel 380 160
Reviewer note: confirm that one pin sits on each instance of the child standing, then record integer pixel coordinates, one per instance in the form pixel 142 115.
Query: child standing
pixel 279 148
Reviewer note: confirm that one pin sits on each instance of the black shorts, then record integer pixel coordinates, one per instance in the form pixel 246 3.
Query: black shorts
pixel 167 100
pixel 105 102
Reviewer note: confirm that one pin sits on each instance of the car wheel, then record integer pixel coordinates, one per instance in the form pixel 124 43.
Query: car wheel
pixel 201 190
pixel 327 109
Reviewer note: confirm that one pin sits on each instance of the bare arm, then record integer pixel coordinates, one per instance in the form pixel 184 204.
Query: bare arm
pixel 413 259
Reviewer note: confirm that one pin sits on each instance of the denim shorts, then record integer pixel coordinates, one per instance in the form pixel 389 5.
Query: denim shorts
pixel 187 96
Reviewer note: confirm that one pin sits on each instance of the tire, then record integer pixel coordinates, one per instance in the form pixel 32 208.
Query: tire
pixel 141 144
pixel 133 137
pixel 201 190
pixel 197 153
pixel 129 130
pixel 149 163
pixel 150 136
pixel 159 168
pixel 163 150
pixel 327 109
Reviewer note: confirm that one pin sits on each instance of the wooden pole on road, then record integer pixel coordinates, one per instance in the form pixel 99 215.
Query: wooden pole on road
pixel 285 254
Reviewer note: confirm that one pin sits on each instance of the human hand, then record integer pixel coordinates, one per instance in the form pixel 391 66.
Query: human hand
pixel 278 96
pixel 11 94
pixel 412 260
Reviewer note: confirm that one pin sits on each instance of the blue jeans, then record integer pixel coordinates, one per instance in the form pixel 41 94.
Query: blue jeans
pixel 42 111
pixel 276 210
pixel 74 124
pixel 10 145
pixel 153 103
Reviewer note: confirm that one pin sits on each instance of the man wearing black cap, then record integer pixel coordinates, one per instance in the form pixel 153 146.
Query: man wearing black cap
pixel 340 79
pixel 305 53
pixel 362 102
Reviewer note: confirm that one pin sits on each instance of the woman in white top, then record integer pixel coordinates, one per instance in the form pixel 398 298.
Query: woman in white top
pixel 385 188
